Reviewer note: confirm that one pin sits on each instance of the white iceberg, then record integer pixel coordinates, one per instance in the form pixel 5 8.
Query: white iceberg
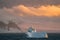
pixel 34 34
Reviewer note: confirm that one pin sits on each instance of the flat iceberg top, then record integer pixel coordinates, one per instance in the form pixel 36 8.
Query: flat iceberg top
pixel 37 35
pixel 32 33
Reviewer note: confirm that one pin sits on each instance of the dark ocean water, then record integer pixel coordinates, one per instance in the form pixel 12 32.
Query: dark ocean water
pixel 21 36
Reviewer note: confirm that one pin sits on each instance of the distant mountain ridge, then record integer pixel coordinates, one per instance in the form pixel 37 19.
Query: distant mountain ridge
pixel 10 27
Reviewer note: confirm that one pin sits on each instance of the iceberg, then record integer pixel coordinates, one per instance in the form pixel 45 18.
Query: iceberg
pixel 31 33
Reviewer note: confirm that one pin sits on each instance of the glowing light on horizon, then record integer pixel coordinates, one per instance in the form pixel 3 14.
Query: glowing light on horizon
pixel 40 11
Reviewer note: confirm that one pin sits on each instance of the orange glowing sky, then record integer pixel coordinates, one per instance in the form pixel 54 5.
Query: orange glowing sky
pixel 40 11
pixel 44 14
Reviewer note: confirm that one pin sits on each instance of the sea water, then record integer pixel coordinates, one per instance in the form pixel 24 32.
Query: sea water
pixel 22 36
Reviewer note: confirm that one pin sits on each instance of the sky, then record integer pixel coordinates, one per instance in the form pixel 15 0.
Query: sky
pixel 43 15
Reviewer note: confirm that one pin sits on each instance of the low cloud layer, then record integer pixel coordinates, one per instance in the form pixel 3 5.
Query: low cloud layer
pixel 40 11
pixel 21 10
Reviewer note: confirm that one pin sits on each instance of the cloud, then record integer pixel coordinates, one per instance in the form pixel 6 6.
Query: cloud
pixel 47 18
pixel 49 11
pixel 7 15
pixel 35 3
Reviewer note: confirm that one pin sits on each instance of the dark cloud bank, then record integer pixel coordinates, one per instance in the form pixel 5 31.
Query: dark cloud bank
pixel 35 3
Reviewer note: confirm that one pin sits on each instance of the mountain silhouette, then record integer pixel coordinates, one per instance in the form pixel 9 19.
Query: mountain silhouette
pixel 2 25
pixel 11 24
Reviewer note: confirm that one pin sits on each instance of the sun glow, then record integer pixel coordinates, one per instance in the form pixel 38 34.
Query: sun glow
pixel 40 11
